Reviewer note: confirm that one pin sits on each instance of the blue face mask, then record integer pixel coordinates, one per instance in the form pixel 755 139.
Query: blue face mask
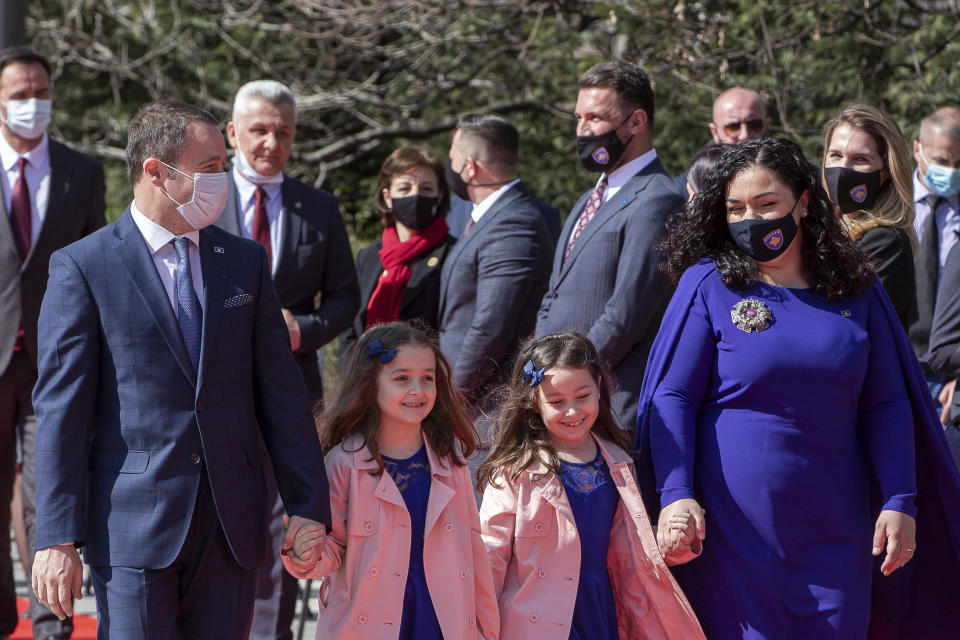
pixel 942 180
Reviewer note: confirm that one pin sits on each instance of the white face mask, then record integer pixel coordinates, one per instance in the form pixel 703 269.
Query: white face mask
pixel 208 201
pixel 28 118
pixel 251 174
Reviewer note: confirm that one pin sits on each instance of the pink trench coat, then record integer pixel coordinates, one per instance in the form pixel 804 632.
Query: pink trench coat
pixel 532 539
pixel 367 553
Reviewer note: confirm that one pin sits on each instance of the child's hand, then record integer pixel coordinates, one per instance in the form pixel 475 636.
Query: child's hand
pixel 307 545
pixel 680 533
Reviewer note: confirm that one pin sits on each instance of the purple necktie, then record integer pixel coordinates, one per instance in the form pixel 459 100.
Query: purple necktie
pixel 20 211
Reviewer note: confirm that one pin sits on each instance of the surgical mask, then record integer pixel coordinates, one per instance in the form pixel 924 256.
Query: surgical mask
pixel 209 198
pixel 599 152
pixel 852 190
pixel 247 171
pixel 415 212
pixel 764 239
pixel 942 180
pixel 28 119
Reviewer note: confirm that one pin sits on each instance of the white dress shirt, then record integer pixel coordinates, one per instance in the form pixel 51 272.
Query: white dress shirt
pixel 37 172
pixel 165 256
pixel 484 205
pixel 620 177
pixel 246 199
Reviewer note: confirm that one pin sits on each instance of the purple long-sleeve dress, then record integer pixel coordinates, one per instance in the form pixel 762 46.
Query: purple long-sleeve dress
pixel 776 432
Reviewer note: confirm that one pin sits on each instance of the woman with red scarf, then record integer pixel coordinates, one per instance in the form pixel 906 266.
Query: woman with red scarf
pixel 400 275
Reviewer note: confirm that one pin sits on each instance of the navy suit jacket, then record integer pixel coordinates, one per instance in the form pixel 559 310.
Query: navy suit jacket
pixel 460 212
pixel 490 287
pixel 123 423
pixel 75 208
pixel 315 258
pixel 611 288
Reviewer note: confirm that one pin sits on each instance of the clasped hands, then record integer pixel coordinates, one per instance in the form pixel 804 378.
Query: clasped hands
pixel 681 529
pixel 303 543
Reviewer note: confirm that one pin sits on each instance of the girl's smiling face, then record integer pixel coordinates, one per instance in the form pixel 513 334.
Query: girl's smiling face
pixel 407 387
pixel 568 400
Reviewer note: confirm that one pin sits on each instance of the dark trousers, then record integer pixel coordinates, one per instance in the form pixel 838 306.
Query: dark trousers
pixel 276 601
pixel 203 595
pixel 16 384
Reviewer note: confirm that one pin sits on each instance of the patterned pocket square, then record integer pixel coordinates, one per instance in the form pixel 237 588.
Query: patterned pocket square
pixel 237 301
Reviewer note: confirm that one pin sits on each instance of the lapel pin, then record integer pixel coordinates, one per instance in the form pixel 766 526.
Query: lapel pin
pixel 845 313
pixel 433 261
pixel 624 201
pixel 218 249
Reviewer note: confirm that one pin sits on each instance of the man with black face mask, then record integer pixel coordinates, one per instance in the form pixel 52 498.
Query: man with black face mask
pixel 496 273
pixel 313 271
pixel 606 280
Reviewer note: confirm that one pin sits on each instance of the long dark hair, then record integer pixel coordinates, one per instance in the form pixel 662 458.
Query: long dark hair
pixel 354 410
pixel 519 437
pixel 834 266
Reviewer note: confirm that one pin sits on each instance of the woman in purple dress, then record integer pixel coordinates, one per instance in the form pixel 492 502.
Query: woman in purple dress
pixel 781 402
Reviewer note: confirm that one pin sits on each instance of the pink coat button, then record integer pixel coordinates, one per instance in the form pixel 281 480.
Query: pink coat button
pixel 538 526
pixel 373 571
pixel 463 573
pixel 368 525
pixel 449 526
pixel 542 574
pixel 533 617
pixel 362 619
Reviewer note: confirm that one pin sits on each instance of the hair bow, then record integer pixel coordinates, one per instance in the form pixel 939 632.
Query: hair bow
pixel 376 350
pixel 531 374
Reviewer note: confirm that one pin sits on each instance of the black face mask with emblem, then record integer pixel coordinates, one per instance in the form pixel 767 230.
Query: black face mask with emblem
pixel 852 190
pixel 599 153
pixel 764 239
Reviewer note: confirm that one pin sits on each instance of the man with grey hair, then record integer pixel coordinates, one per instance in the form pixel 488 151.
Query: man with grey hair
pixel 313 271
pixel 163 362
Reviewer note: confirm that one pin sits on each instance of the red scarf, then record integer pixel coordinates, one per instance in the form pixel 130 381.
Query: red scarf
pixel 396 256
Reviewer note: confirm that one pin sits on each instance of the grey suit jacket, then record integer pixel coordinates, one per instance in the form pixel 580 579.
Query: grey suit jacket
pixel 314 258
pixel 944 355
pixel 490 288
pixel 75 208
pixel 611 288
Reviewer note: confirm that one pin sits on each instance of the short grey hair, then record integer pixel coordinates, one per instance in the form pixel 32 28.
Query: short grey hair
pixel 270 90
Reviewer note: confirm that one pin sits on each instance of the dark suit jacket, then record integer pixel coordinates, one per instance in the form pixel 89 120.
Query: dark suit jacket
pixel 892 256
pixel 611 288
pixel 421 299
pixel 460 212
pixel 945 334
pixel 123 423
pixel 490 286
pixel 315 258
pixel 75 208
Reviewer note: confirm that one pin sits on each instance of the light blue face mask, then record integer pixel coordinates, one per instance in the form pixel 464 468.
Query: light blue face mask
pixel 942 180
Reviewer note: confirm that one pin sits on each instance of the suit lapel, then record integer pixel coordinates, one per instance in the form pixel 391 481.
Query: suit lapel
pixel 214 285
pixel 291 221
pixel 61 175
pixel 567 230
pixel 421 269
pixel 146 281
pixel 7 243
pixel 230 218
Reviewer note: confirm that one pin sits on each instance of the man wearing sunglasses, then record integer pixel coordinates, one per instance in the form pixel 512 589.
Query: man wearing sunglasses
pixel 738 115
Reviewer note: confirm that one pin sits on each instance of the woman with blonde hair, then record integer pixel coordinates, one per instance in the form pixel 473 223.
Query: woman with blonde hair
pixel 867 172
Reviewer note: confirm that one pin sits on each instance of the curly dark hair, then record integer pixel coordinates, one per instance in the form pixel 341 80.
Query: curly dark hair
pixel 354 410
pixel 519 437
pixel 834 266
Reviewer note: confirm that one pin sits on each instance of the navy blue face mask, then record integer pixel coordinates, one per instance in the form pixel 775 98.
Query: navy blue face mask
pixel 764 239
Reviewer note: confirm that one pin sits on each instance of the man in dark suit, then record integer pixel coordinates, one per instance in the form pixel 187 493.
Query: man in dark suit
pixel 163 362
pixel 606 282
pixel 460 209
pixel 306 242
pixel 498 269
pixel 944 354
pixel 51 198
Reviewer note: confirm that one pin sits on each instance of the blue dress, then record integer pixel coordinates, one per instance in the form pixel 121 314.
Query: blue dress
pixel 412 477
pixel 593 499
pixel 778 433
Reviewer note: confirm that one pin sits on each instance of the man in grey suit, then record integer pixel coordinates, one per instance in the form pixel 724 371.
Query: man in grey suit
pixel 306 241
pixel 497 271
pixel 52 196
pixel 606 280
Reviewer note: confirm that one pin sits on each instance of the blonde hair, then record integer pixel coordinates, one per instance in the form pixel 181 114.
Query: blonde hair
pixel 894 206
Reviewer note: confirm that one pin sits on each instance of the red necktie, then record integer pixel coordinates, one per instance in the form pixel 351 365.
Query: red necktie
pixel 20 212
pixel 261 226
pixel 469 226
pixel 590 210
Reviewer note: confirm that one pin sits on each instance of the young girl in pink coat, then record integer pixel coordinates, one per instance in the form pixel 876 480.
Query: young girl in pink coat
pixel 573 552
pixel 404 557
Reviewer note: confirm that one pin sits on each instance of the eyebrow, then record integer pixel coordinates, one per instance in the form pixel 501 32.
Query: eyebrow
pixel 759 195
pixel 404 369
pixel 558 393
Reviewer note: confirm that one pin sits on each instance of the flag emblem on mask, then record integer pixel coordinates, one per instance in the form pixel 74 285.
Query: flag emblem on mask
pixel 600 156
pixel 773 239
pixel 859 194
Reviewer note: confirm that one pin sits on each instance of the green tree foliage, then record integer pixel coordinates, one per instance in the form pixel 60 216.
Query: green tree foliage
pixel 372 75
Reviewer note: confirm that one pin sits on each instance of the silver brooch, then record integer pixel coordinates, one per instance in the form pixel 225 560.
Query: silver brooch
pixel 751 315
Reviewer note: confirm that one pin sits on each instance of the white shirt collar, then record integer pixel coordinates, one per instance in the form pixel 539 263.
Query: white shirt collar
pixel 619 177
pixel 157 237
pixel 247 189
pixel 38 157
pixel 484 205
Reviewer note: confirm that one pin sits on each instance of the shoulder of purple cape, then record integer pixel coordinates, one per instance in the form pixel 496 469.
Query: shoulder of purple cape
pixel 919 600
